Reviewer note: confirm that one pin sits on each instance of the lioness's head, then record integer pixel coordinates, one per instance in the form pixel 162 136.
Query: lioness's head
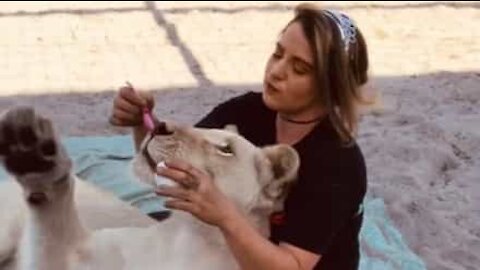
pixel 256 179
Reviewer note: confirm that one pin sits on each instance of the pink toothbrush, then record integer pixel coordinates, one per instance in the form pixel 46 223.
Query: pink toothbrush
pixel 147 114
pixel 148 119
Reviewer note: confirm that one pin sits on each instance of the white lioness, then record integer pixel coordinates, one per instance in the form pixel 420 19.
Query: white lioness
pixel 46 224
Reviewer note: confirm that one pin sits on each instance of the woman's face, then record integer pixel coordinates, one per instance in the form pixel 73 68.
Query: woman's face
pixel 289 76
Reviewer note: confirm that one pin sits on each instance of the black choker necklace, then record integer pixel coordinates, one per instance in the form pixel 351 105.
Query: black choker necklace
pixel 301 122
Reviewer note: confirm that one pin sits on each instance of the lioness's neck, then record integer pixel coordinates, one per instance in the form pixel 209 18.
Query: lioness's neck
pixel 182 228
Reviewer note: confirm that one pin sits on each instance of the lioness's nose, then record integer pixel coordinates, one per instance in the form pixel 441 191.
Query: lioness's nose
pixel 162 129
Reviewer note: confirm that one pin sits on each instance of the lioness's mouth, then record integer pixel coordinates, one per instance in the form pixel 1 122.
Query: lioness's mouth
pixel 37 198
pixel 150 161
pixel 160 129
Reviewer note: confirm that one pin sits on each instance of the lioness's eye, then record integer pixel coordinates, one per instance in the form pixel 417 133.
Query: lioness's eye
pixel 225 150
pixel 62 180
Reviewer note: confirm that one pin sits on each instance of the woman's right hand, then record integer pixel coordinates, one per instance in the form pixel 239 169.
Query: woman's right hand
pixel 128 107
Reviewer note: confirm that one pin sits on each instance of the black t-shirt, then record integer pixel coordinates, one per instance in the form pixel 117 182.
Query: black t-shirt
pixel 323 211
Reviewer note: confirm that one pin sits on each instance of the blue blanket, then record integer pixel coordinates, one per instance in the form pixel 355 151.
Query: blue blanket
pixel 104 161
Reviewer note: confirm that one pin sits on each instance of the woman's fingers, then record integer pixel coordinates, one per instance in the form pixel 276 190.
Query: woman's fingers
pixel 198 196
pixel 123 118
pixel 176 192
pixel 182 205
pixel 181 173
pixel 125 105
pixel 132 96
pixel 128 106
pixel 137 98
pixel 185 167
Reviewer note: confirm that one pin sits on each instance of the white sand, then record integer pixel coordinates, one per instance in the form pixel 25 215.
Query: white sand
pixel 422 149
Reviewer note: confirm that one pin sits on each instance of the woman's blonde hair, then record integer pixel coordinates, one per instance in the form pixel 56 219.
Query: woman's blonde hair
pixel 341 66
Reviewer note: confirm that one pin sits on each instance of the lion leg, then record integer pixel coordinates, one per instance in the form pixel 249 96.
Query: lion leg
pixel 38 162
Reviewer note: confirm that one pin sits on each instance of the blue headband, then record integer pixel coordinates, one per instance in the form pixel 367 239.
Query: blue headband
pixel 346 26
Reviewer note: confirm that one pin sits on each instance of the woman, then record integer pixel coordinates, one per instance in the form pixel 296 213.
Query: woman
pixel 311 86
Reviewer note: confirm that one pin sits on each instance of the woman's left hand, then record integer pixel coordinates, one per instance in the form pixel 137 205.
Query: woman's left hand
pixel 196 194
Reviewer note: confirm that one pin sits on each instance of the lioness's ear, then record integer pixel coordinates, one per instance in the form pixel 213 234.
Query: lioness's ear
pixel 231 128
pixel 284 162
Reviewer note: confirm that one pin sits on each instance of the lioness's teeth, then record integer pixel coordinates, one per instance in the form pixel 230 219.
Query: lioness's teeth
pixel 160 180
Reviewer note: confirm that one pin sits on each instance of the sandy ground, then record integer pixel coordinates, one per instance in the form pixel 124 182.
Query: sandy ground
pixel 422 145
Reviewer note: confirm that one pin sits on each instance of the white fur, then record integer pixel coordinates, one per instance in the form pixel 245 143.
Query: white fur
pixel 85 228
